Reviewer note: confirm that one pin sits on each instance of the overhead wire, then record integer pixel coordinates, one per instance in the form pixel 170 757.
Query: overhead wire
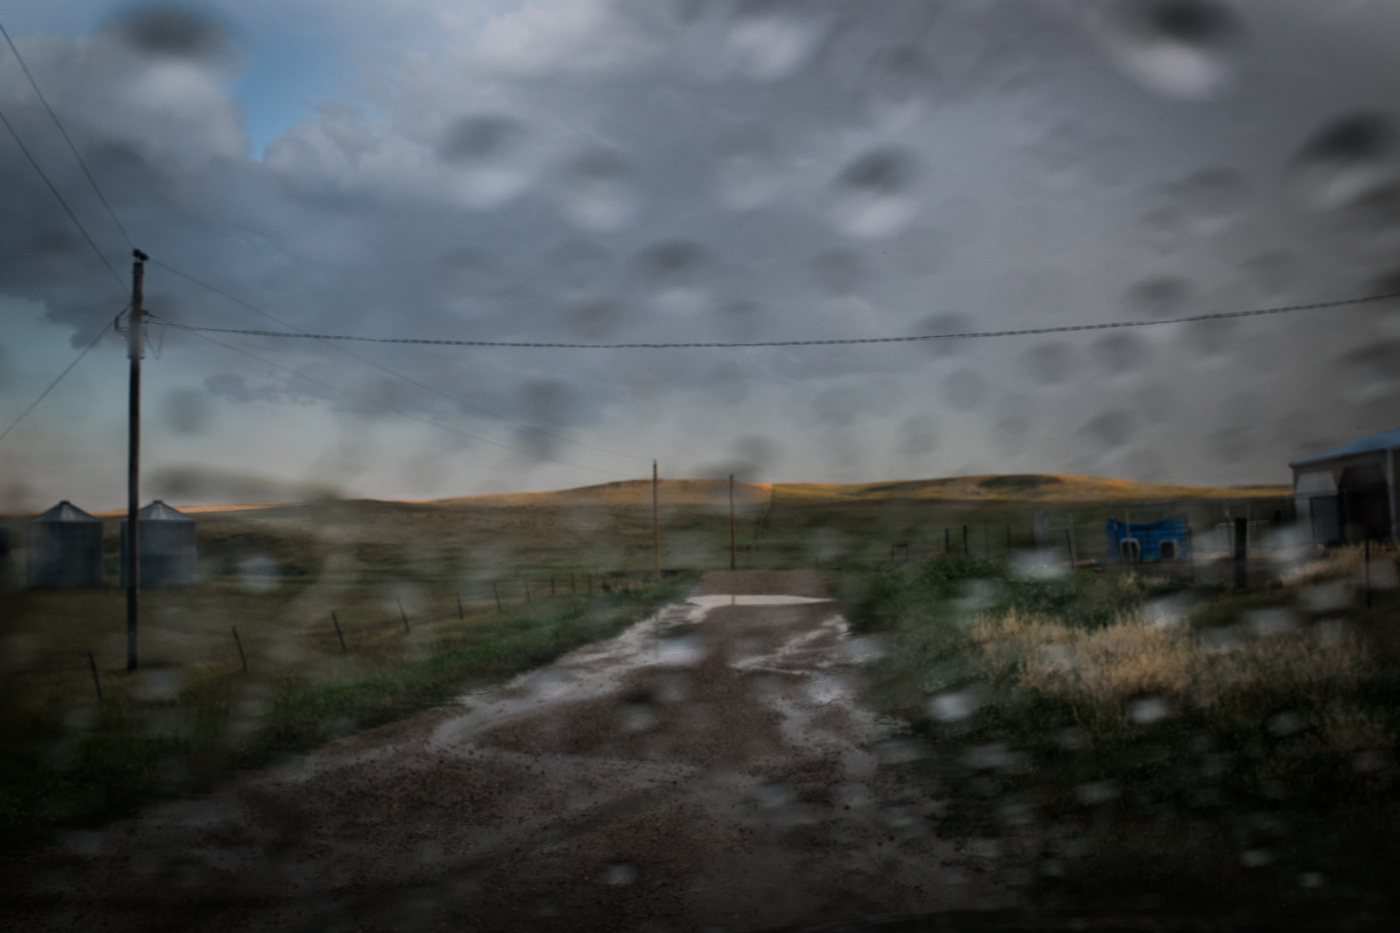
pixel 398 411
pixel 68 369
pixel 66 138
pixel 64 203
pixel 385 369
pixel 92 181
pixel 968 335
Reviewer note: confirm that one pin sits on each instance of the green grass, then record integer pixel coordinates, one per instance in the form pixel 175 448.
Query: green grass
pixel 1268 779
pixel 178 729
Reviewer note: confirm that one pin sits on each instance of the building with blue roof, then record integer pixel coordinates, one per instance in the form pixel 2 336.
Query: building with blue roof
pixel 1347 494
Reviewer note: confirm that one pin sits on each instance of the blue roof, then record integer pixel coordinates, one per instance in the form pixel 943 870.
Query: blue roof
pixel 1385 440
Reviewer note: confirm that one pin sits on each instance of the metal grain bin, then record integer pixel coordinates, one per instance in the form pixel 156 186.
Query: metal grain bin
pixel 167 546
pixel 63 547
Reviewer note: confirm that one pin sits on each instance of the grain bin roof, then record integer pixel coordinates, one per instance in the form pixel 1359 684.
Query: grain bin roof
pixel 158 511
pixel 66 511
pixel 1385 440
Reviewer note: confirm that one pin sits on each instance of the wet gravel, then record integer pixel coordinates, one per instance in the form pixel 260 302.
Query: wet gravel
pixel 708 769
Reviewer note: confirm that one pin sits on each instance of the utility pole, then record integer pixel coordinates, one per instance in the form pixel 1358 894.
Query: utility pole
pixel 733 548
pixel 135 349
pixel 655 522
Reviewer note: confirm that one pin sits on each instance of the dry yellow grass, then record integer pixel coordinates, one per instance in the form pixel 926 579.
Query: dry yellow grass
pixel 1133 659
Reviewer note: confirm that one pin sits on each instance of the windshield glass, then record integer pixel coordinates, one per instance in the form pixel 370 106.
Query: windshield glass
pixel 699 464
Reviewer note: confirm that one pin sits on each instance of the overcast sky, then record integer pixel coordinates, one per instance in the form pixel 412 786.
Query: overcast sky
pixel 684 170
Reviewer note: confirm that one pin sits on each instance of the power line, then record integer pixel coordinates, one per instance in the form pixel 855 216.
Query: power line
pixel 42 395
pixel 397 411
pixel 385 369
pixel 68 210
pixel 1024 332
pixel 66 138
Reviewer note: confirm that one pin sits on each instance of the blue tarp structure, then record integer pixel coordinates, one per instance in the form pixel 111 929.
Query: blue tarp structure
pixel 1150 536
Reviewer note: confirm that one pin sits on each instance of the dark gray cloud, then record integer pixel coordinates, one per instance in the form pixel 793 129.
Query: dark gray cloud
pixel 722 171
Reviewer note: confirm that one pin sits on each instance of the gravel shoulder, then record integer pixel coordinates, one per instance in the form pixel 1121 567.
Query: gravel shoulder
pixel 708 769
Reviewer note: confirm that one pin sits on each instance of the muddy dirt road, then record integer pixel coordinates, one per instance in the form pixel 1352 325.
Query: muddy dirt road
pixel 708 769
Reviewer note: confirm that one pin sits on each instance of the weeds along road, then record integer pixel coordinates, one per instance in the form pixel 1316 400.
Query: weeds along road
pixel 709 768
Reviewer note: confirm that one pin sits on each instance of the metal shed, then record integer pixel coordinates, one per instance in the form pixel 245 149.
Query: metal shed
pixel 63 547
pixel 167 546
pixel 1347 494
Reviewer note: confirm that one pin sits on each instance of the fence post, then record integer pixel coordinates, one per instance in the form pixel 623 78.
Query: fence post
pixel 403 615
pixel 239 642
pixel 336 623
pixel 95 682
pixel 1241 553
pixel 1366 562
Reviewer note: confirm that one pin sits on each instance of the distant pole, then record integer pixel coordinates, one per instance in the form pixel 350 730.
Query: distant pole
pixel 733 546
pixel 986 542
pixel 1241 553
pixel 461 616
pixel 497 590
pixel 402 615
pixel 1069 547
pixel 239 643
pixel 655 521
pixel 964 540
pixel 338 634
pixel 947 540
pixel 135 346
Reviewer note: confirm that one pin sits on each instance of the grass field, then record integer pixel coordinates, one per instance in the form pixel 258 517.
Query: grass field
pixel 566 567
pixel 1115 736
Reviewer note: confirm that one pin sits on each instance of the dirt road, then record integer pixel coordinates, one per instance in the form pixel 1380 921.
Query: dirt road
pixel 708 769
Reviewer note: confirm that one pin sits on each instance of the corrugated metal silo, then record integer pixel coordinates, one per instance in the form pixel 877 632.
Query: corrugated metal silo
pixel 167 546
pixel 63 547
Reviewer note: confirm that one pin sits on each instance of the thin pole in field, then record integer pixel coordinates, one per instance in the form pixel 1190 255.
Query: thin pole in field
pixel 402 615
pixel 733 546
pixel 461 616
pixel 338 634
pixel 497 590
pixel 964 540
pixel 239 643
pixel 1366 562
pixel 655 520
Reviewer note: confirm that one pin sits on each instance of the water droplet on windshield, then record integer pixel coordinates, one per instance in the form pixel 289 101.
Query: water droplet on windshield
pixel 597 192
pixel 875 193
pixel 487 155
pixel 1182 49
pixel 769 40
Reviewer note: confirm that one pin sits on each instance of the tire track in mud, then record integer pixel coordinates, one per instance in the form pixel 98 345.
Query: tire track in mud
pixel 709 768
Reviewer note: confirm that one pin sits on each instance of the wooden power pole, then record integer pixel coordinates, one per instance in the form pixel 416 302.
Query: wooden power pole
pixel 655 522
pixel 135 349
pixel 733 548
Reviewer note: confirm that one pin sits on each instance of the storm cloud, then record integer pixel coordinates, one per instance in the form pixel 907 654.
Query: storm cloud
pixel 589 170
